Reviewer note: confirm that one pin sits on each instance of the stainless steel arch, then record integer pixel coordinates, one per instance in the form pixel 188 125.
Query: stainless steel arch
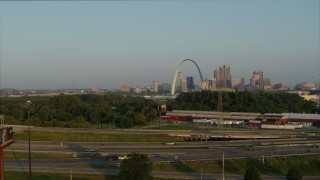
pixel 173 88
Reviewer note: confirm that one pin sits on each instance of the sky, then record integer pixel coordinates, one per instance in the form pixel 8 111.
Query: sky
pixel 77 44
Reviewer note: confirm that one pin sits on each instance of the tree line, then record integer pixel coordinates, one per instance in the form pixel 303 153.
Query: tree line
pixel 245 101
pixel 79 110
pixel 127 111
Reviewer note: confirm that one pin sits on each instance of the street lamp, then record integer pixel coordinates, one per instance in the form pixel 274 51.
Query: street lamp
pixel 28 104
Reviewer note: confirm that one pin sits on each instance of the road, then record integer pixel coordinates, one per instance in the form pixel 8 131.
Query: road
pixel 164 152
pixel 62 166
pixel 87 162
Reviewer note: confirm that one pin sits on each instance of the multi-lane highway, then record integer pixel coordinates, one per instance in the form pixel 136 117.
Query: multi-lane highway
pixel 88 166
pixel 160 152
pixel 186 150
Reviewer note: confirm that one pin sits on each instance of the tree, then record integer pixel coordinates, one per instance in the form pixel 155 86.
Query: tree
pixel 294 173
pixel 139 119
pixel 136 167
pixel 124 122
pixel 252 174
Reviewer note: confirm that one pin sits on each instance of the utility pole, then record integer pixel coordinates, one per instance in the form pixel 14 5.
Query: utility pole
pixel 30 174
pixel 113 107
pixel 220 109
pixel 29 103
pixel 223 166
pixel 159 116
pixel 71 174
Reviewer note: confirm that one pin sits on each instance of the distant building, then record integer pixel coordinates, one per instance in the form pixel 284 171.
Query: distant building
pixel 178 83
pixel 208 85
pixel 310 97
pixel 8 92
pixel 205 85
pixel 307 86
pixel 155 86
pixel 137 90
pixel 190 83
pixel 280 86
pixel 212 85
pixel 184 85
pixel 238 84
pixel 165 88
pixel 94 88
pixel 267 86
pixel 256 80
pixel 125 87
pixel 223 77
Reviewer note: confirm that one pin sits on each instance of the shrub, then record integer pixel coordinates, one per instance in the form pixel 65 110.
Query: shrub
pixel 252 174
pixel 294 173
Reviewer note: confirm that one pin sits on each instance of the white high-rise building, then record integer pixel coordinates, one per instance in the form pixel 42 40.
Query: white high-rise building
pixel 155 86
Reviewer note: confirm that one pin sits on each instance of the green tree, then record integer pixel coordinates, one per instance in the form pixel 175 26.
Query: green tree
pixel 294 173
pixel 139 119
pixel 79 122
pixel 124 122
pixel 136 167
pixel 252 174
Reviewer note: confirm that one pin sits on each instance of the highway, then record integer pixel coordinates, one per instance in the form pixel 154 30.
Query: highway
pixel 159 152
pixel 74 166
pixel 163 152
pixel 186 150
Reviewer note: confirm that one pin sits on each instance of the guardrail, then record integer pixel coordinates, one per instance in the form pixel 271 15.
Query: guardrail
pixel 234 158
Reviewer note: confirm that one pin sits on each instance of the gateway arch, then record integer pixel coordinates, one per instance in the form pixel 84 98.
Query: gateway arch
pixel 173 88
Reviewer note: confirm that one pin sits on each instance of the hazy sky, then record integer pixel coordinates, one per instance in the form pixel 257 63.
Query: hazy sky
pixel 75 44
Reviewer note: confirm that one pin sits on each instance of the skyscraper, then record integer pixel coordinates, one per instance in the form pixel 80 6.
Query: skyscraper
pixel 256 80
pixel 267 85
pixel 165 88
pixel 223 77
pixel 179 80
pixel 155 86
pixel 238 84
pixel 190 83
pixel 184 85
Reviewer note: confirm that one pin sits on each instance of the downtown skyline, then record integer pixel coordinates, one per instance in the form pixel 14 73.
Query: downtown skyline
pixel 52 45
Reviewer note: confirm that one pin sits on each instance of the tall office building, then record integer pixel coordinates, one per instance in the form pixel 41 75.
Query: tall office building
pixel 213 84
pixel 165 88
pixel 205 85
pixel 184 85
pixel 223 77
pixel 155 86
pixel 190 83
pixel 256 80
pixel 238 84
pixel 178 82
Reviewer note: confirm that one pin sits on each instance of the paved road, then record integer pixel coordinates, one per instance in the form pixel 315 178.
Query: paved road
pixel 61 166
pixel 163 152
pixel 182 151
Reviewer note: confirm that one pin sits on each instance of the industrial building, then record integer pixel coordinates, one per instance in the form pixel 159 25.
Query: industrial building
pixel 274 121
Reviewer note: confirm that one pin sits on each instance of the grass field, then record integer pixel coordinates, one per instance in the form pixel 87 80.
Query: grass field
pixel 309 165
pixel 51 176
pixel 36 155
pixel 93 137
pixel 55 176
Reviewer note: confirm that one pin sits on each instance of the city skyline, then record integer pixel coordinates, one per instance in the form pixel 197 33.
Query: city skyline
pixel 52 45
